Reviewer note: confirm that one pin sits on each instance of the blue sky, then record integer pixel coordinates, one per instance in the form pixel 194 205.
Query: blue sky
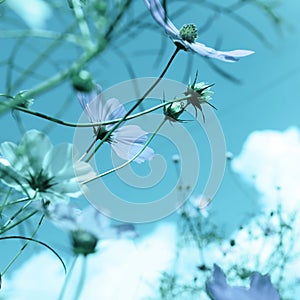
pixel 266 99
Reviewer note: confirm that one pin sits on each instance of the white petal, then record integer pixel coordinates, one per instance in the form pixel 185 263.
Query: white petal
pixel 228 56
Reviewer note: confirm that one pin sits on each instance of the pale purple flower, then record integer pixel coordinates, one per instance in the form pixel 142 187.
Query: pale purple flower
pixel 72 219
pixel 261 288
pixel 126 141
pixel 86 227
pixel 185 37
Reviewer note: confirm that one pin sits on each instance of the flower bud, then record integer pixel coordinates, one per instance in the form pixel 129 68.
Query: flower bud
pixel 83 81
pixel 83 242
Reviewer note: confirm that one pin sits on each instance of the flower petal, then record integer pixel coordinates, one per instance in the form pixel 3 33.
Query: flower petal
pixel 35 145
pixel 228 56
pixel 112 110
pixel 261 287
pixel 91 103
pixel 63 215
pixel 158 14
pixel 129 140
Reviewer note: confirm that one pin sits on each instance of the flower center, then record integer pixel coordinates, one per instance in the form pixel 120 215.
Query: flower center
pixel 189 32
pixel 40 182
pixel 101 133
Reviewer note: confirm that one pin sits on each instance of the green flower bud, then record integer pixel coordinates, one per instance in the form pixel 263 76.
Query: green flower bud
pixel 174 110
pixel 26 103
pixel 83 81
pixel 83 242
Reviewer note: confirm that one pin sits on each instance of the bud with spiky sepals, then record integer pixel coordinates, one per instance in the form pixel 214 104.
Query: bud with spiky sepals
pixel 174 110
pixel 199 93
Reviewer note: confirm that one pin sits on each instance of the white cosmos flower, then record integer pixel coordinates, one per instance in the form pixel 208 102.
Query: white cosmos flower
pixel 38 169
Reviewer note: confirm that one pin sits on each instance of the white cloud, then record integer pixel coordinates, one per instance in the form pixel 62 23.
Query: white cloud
pixel 123 269
pixel 271 159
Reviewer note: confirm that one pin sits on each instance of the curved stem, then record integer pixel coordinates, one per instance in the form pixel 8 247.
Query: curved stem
pixel 137 103
pixel 130 160
pixel 70 124
pixel 23 247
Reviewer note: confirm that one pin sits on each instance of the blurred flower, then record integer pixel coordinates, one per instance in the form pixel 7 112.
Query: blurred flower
pixel 186 36
pixel 87 226
pixel 34 12
pixel 195 206
pixel 126 141
pixel 261 288
pixel 41 171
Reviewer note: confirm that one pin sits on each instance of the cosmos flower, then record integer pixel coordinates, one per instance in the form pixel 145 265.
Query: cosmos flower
pixel 126 141
pixel 186 36
pixel 86 226
pixel 41 171
pixel 261 288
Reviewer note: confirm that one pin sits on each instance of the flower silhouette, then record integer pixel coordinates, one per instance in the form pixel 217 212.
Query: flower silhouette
pixel 186 36
pixel 261 288
pixel 126 141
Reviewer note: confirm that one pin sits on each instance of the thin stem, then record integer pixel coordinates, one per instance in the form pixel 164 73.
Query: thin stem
pixel 82 278
pixel 64 287
pixel 88 149
pixel 70 124
pixel 23 247
pixel 47 34
pixel 18 201
pixel 77 65
pixel 83 26
pixel 108 134
pixel 130 160
pixel 15 215
pixel 18 222
pixel 5 202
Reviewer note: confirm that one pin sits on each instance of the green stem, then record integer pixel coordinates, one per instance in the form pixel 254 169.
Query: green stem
pixel 83 26
pixel 130 160
pixel 63 75
pixel 56 79
pixel 136 104
pixel 82 279
pixel 70 124
pixel 39 33
pixel 16 214
pixel 23 247
pixel 5 202
pixel 64 287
